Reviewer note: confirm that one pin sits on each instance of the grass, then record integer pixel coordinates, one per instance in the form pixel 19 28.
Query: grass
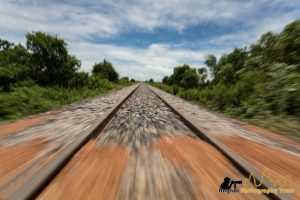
pixel 25 101
pixel 283 124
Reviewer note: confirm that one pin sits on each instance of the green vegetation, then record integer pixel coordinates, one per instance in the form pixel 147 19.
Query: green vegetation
pixel 259 84
pixel 105 70
pixel 43 76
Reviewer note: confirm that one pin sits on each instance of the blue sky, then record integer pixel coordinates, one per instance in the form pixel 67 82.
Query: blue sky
pixel 146 39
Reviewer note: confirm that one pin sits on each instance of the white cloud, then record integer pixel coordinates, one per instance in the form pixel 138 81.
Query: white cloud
pixel 155 61
pixel 244 38
pixel 70 22
pixel 80 21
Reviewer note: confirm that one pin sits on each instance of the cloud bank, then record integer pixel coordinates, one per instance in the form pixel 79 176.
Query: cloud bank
pixel 198 27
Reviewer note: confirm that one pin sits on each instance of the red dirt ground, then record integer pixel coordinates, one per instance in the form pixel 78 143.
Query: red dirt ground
pixel 92 174
pixel 204 163
pixel 15 157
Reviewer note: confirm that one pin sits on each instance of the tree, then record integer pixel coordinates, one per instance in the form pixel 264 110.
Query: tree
pixel 228 66
pixel 202 72
pixel 287 46
pixel 211 62
pixel 190 79
pixel 171 80
pixel 124 80
pixel 50 61
pixel 4 45
pixel 132 80
pixel 261 80
pixel 14 61
pixel 178 73
pixel 106 71
pixel 183 76
pixel 165 80
pixel 264 47
pixel 79 79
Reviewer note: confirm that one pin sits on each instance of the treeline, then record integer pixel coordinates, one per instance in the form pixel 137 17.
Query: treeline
pixel 262 79
pixel 46 61
pixel 43 75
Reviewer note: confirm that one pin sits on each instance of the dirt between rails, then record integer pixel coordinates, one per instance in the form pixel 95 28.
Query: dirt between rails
pixel 22 124
pixel 14 158
pixel 93 173
pixel 176 167
pixel 278 165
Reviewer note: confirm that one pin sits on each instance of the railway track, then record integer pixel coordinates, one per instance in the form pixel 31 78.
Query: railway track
pixel 141 148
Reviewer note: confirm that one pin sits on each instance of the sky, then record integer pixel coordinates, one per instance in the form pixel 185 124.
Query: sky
pixel 147 38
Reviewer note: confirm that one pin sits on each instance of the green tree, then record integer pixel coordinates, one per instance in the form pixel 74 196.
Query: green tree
pixel 190 79
pixel 124 80
pixel 287 47
pixel 260 82
pixel 165 80
pixel 178 73
pixel 264 48
pixel 14 62
pixel 79 80
pixel 202 76
pixel 228 66
pixel 105 70
pixel 4 45
pixel 171 80
pixel 211 62
pixel 50 61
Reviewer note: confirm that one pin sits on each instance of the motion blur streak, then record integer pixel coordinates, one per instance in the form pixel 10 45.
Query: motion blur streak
pixel 145 152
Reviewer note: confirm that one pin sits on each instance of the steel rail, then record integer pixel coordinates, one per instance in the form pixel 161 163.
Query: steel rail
pixel 43 177
pixel 241 164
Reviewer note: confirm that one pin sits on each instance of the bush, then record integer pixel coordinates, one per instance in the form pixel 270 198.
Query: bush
pixel 24 101
pixel 79 80
pixel 124 80
pixel 105 70
pixel 97 82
